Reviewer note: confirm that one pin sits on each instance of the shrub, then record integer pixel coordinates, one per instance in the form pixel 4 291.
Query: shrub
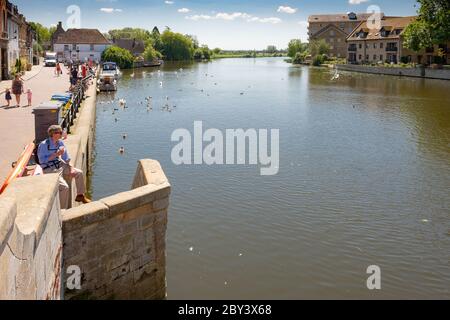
pixel 318 60
pixel 299 57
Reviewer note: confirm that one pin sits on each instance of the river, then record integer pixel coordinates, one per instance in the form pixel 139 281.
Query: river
pixel 364 179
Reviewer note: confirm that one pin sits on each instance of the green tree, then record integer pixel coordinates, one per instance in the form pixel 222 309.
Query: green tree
pixel 176 46
pixel 151 54
pixel 217 50
pixel 130 33
pixel 431 27
pixel 206 52
pixel 198 54
pixel 319 47
pixel 122 57
pixel 300 57
pixel 43 33
pixel 194 41
pixel 271 49
pixel 296 45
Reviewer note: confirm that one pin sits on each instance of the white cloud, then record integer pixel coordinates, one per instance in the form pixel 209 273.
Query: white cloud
pixel 233 16
pixel 110 10
pixel 169 2
pixel 290 10
pixel 184 10
pixel 271 20
pixel 357 1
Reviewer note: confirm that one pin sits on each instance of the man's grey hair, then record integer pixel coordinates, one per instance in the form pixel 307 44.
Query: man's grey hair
pixel 53 129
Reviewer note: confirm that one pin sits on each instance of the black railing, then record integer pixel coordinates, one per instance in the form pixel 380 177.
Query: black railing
pixel 391 49
pixel 78 93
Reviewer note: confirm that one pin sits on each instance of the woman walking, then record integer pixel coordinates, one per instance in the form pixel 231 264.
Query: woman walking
pixel 17 88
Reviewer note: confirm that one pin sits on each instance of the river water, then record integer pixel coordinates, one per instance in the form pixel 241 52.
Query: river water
pixel 364 179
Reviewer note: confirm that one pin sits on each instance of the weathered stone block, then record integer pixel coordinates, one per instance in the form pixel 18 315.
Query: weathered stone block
pixel 137 213
pixel 83 216
pixel 161 204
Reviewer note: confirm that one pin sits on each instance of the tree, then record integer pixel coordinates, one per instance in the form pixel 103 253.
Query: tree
pixel 432 26
pixel 155 31
pixel 177 46
pixel 122 57
pixel 151 54
pixel 271 49
pixel 319 47
pixel 296 45
pixel 300 57
pixel 217 50
pixel 43 33
pixel 198 54
pixel 194 41
pixel 130 33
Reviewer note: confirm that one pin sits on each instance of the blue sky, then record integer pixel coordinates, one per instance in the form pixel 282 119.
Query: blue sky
pixel 228 24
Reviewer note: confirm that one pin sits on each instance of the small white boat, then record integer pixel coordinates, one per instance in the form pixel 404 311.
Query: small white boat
pixel 109 74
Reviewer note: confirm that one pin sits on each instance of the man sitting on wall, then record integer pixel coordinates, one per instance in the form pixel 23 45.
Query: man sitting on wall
pixel 53 158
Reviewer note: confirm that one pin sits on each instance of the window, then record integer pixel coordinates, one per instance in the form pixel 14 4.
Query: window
pixel 66 47
pixel 74 47
pixel 381 46
pixel 92 47
pixel 339 40
pixel 367 46
pixel 360 57
pixel 360 46
pixel 331 48
pixel 374 57
pixel 367 57
pixel 381 57
pixel 331 39
pixel 374 45
pixel 332 33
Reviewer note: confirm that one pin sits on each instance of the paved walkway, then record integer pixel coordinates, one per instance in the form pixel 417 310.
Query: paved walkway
pixel 17 124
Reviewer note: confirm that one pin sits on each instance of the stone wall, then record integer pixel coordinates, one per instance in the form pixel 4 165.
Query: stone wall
pixel 410 72
pixel 80 143
pixel 31 226
pixel 119 242
pixel 30 240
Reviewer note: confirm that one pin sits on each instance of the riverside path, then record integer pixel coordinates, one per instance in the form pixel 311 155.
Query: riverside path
pixel 17 124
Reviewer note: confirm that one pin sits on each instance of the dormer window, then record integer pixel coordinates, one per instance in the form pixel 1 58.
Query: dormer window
pixel 352 16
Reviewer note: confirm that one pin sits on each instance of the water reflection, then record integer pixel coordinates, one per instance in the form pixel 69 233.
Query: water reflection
pixel 364 179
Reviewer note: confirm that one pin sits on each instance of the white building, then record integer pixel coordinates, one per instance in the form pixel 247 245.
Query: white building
pixel 13 29
pixel 81 45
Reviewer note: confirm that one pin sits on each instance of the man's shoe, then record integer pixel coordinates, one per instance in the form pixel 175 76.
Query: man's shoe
pixel 83 199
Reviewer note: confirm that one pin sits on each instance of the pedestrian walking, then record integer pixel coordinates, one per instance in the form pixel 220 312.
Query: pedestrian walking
pixel 30 97
pixel 8 97
pixel 58 69
pixel 17 88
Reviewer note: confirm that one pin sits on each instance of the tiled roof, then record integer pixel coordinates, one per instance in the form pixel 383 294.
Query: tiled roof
pixel 132 45
pixel 339 17
pixel 389 24
pixel 82 36
pixel 329 26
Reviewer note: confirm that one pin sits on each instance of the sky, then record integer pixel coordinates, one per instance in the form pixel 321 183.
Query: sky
pixel 226 24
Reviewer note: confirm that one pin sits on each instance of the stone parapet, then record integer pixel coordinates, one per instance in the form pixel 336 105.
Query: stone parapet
pixel 119 242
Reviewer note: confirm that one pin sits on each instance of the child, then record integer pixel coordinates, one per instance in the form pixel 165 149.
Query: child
pixel 30 97
pixel 8 96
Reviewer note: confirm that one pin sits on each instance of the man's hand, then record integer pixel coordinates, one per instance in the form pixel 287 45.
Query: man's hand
pixel 60 152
